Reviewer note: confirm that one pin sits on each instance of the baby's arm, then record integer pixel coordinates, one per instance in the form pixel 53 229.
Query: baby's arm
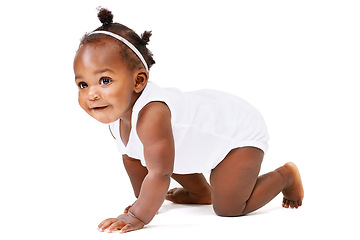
pixel 136 173
pixel 155 132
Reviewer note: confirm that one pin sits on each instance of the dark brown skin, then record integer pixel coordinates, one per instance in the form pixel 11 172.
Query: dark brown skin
pixel 108 91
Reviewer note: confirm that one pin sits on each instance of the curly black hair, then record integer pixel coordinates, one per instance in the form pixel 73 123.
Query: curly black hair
pixel 106 18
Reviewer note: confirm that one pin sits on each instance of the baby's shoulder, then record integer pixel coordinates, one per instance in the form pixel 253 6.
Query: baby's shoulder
pixel 154 119
pixel 153 110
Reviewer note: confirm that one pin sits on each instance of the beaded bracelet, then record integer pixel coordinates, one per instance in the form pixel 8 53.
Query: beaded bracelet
pixel 133 215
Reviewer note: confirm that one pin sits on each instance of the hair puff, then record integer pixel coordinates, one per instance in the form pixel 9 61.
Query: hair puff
pixel 105 16
pixel 145 37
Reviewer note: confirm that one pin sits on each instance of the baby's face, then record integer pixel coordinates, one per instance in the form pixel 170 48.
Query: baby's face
pixel 106 85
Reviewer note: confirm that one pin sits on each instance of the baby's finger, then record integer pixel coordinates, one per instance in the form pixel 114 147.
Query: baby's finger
pixel 127 228
pixel 115 226
pixel 106 223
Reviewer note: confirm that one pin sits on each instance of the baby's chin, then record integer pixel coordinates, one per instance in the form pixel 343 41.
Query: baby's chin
pixel 104 120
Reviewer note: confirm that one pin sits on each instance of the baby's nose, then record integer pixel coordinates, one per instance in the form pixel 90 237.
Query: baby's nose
pixel 93 94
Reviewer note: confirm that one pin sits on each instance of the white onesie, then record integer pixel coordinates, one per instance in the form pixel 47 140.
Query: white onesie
pixel 206 126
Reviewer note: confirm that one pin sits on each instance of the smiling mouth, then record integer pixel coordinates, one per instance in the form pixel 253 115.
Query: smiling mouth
pixel 99 108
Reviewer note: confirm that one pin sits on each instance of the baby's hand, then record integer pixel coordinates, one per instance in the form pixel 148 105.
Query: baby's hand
pixel 124 223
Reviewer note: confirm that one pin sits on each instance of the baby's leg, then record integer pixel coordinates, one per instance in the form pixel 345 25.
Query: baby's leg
pixel 237 189
pixel 196 190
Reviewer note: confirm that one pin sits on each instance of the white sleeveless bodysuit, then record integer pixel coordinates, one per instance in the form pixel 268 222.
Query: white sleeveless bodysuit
pixel 206 124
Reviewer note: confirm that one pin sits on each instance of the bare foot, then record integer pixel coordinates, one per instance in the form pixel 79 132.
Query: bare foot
pixel 182 196
pixel 294 192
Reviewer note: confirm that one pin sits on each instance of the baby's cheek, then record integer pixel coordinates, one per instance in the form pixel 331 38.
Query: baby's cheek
pixel 79 98
pixel 83 104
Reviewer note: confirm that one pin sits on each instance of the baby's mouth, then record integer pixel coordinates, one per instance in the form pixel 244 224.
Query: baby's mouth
pixel 98 107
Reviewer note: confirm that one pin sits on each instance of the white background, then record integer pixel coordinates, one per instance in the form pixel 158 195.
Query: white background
pixel 296 61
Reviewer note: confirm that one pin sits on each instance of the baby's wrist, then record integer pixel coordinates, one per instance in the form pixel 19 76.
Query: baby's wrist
pixel 131 214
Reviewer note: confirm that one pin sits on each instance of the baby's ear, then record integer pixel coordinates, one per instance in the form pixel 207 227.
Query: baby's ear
pixel 141 79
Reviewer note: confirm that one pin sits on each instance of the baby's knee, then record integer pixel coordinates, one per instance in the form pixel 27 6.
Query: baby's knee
pixel 229 211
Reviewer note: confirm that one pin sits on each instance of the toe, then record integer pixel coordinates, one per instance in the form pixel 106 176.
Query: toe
pixel 286 204
pixel 292 204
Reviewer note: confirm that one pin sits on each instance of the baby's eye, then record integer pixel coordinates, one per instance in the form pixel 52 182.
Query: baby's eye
pixel 82 85
pixel 105 80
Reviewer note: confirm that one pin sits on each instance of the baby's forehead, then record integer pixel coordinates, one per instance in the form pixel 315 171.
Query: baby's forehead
pixel 101 49
pixel 102 54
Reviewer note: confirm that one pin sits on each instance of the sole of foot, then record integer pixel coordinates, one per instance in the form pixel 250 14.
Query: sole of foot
pixel 294 194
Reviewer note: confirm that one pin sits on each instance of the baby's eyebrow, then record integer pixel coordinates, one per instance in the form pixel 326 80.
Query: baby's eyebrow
pixel 103 70
pixel 77 77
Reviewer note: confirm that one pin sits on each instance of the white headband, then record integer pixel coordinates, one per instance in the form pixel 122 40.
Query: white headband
pixel 127 43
